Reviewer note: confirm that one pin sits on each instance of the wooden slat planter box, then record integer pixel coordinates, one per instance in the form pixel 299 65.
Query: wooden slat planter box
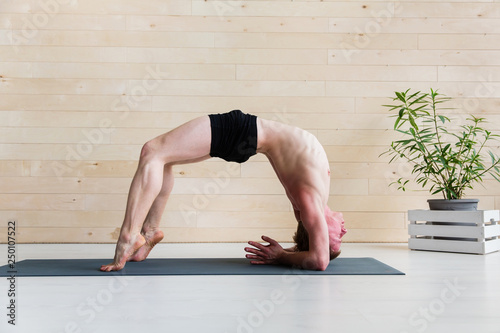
pixel 475 232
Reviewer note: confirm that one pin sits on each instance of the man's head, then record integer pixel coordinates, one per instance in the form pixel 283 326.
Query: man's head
pixel 336 230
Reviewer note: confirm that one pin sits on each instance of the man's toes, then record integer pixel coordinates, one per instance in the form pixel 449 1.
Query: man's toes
pixel 109 268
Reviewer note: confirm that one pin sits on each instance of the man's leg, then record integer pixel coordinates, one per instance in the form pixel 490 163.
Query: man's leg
pixel 151 227
pixel 186 144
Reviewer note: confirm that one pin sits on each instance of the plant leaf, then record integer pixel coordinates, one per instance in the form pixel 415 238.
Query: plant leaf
pixel 412 122
pixel 400 97
pixel 401 112
pixel 443 119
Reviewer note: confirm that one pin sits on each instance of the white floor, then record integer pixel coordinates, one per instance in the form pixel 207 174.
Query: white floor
pixel 441 292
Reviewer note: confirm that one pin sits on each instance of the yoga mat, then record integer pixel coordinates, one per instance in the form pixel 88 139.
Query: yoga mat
pixel 191 266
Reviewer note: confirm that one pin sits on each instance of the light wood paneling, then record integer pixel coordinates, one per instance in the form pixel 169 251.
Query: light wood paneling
pixel 228 23
pixel 14 168
pixel 15 201
pixel 21 51
pixel 450 9
pixel 460 105
pixel 286 9
pixel 310 40
pixel 259 55
pixel 356 137
pixel 84 84
pixel 339 73
pixel 411 57
pixel 271 107
pixel 154 7
pixel 132 71
pixel 458 41
pixel 201 200
pixel 418 25
pixel 65 21
pixel 124 38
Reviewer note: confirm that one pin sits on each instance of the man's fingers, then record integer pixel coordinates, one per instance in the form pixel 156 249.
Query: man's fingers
pixel 251 256
pixel 254 251
pixel 257 245
pixel 269 240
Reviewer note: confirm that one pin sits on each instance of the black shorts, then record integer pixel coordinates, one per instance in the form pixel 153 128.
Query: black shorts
pixel 234 136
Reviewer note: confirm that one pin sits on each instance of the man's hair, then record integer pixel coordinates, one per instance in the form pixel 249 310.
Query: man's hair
pixel 301 239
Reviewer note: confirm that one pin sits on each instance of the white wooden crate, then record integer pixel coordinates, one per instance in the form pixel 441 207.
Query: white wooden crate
pixel 454 231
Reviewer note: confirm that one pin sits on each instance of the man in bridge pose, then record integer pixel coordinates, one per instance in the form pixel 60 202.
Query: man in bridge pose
pixel 296 156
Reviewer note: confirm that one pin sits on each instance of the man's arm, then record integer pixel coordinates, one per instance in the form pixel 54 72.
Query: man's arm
pixel 274 254
pixel 318 256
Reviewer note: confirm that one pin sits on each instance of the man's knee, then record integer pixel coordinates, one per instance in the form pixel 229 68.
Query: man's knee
pixel 155 151
pixel 148 151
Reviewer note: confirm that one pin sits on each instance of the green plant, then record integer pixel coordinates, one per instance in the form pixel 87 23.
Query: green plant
pixel 452 160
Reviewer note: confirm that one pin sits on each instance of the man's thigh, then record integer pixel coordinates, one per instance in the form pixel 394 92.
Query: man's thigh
pixel 187 143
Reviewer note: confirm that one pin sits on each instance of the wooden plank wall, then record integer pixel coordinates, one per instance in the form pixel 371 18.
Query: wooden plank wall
pixel 83 84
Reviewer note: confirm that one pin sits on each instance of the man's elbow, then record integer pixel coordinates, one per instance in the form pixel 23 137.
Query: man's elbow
pixel 322 265
pixel 319 264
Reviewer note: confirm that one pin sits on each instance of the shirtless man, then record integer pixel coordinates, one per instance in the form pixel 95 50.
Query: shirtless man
pixel 297 157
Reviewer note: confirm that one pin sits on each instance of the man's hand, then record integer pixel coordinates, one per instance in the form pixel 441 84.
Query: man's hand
pixel 264 254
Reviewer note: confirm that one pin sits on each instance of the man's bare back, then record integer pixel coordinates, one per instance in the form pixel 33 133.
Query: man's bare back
pixel 299 160
pixel 297 157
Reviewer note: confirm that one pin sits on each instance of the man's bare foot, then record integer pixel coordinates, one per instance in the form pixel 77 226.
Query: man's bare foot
pixel 124 250
pixel 152 238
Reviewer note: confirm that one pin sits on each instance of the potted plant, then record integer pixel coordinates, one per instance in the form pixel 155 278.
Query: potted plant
pixel 451 158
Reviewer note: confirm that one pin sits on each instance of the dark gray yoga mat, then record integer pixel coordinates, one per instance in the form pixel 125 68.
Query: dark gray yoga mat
pixel 191 266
